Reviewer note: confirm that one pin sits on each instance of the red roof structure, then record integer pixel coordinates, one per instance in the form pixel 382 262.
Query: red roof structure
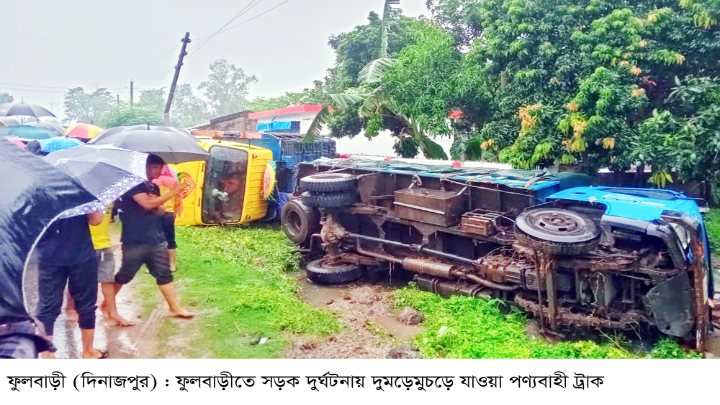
pixel 305 108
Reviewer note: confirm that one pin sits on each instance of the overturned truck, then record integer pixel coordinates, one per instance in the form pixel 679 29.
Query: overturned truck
pixel 567 253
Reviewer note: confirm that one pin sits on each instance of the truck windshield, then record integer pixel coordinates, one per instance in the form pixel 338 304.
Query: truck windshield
pixel 643 192
pixel 224 188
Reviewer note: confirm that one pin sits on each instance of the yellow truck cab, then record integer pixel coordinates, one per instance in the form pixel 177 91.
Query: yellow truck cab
pixel 227 189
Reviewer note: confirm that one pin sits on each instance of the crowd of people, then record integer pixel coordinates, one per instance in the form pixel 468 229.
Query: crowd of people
pixel 77 252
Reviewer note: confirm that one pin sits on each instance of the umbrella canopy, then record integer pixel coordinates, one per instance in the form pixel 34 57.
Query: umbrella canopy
pixel 105 171
pixel 14 121
pixel 34 194
pixel 51 126
pixel 83 131
pixel 16 141
pixel 174 145
pixel 58 143
pixel 26 132
pixel 32 110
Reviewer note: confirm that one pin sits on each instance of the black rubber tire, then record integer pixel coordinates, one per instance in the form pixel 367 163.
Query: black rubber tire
pixel 299 222
pixel 319 272
pixel 328 183
pixel 329 200
pixel 576 234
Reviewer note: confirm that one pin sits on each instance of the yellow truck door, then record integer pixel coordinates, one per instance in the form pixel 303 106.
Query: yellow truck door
pixel 228 188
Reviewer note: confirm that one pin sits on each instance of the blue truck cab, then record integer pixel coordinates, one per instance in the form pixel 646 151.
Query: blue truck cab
pixel 672 219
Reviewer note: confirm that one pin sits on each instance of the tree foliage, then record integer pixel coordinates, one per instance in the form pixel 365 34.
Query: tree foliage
pixel 154 98
pixel 314 95
pixel 188 109
pixel 226 88
pixel 125 114
pixel 87 107
pixel 6 97
pixel 593 83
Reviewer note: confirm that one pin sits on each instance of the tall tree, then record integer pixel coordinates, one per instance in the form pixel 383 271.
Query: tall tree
pixel 6 97
pixel 394 94
pixel 153 98
pixel 226 88
pixel 462 18
pixel 355 49
pixel 87 107
pixel 126 114
pixel 188 109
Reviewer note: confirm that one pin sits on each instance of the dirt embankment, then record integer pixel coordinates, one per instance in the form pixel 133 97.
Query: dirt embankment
pixel 372 330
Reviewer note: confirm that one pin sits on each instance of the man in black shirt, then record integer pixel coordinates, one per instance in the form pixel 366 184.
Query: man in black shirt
pixel 143 240
pixel 66 255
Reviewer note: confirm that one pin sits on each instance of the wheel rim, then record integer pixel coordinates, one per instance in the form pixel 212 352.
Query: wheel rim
pixel 294 222
pixel 557 225
pixel 556 222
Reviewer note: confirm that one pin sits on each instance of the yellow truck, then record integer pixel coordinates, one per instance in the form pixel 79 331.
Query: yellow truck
pixel 228 188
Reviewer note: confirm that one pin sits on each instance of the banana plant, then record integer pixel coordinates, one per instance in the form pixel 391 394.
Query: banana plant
pixel 376 101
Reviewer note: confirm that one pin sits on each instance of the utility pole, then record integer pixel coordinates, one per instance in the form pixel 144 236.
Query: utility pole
pixel 131 92
pixel 385 22
pixel 118 99
pixel 171 93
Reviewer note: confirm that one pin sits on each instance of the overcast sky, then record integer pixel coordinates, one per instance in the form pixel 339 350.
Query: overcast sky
pixel 51 45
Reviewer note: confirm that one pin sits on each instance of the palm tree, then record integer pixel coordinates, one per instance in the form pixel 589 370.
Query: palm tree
pixel 376 101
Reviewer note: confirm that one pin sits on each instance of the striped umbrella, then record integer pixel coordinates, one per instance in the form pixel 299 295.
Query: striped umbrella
pixel 83 131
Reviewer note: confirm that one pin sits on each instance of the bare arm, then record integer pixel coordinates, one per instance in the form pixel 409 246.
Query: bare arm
pixel 96 218
pixel 150 202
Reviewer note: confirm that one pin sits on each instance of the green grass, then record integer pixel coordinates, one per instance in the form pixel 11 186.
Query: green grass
pixel 239 281
pixel 712 222
pixel 465 327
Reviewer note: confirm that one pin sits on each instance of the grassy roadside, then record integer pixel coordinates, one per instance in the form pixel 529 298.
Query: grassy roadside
pixel 712 222
pixel 465 327
pixel 237 281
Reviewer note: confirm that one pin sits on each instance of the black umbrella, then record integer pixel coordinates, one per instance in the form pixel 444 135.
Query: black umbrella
pixel 105 171
pixel 174 145
pixel 52 127
pixel 34 193
pixel 32 110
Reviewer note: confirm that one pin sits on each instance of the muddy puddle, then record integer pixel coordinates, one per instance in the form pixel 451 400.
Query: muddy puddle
pixel 373 301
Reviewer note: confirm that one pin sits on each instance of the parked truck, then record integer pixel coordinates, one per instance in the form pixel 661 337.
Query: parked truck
pixel 231 188
pixel 566 252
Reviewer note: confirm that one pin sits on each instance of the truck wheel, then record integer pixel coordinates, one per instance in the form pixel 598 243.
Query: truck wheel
pixel 322 272
pixel 329 200
pixel 328 182
pixel 299 221
pixel 557 231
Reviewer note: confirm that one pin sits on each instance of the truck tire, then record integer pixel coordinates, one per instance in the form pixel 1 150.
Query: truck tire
pixel 321 272
pixel 329 200
pixel 299 222
pixel 557 231
pixel 328 182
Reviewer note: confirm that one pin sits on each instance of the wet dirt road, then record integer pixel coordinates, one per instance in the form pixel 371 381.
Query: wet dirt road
pixel 121 342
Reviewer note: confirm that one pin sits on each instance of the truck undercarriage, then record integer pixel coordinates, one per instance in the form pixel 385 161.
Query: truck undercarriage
pixel 487 233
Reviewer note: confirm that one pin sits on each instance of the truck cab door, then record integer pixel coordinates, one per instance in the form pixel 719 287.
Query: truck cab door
pixel 224 185
pixel 192 174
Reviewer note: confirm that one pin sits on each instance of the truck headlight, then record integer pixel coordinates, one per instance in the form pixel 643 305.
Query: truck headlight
pixel 682 235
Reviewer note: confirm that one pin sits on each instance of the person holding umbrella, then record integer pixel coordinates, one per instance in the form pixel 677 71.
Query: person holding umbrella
pixel 66 256
pixel 32 197
pixel 66 252
pixel 143 239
